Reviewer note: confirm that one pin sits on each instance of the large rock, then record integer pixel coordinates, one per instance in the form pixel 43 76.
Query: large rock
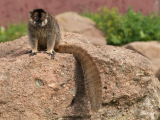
pixel 73 22
pixel 150 50
pixel 40 88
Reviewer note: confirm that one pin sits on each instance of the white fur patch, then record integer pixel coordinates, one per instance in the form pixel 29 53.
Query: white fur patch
pixel 44 22
pixel 32 21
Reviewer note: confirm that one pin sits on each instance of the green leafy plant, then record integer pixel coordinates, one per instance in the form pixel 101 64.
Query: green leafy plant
pixel 12 32
pixel 122 29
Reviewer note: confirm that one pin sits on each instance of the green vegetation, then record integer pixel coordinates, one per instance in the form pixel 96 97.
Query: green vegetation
pixel 13 31
pixel 121 29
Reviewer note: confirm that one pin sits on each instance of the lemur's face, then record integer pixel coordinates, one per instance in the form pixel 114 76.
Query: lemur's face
pixel 38 17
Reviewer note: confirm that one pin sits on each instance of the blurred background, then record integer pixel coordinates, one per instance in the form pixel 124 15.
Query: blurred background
pixel 133 24
pixel 118 21
pixel 14 11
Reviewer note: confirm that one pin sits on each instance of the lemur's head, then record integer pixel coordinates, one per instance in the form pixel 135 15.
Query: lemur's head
pixel 38 17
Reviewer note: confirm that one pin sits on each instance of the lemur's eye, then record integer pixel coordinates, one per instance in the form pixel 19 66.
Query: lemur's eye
pixel 35 18
pixel 42 18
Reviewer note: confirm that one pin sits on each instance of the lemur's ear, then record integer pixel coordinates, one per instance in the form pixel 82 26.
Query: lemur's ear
pixel 30 13
pixel 46 14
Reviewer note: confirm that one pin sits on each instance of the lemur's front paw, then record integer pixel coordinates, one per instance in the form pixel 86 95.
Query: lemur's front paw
pixel 52 54
pixel 34 53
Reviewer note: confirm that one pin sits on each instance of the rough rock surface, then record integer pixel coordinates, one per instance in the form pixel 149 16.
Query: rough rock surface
pixel 73 22
pixel 150 50
pixel 39 88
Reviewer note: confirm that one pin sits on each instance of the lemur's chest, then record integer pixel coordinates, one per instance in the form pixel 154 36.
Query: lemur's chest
pixel 41 33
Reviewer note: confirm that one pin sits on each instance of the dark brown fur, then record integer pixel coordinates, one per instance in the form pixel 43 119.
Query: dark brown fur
pixel 92 78
pixel 47 36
